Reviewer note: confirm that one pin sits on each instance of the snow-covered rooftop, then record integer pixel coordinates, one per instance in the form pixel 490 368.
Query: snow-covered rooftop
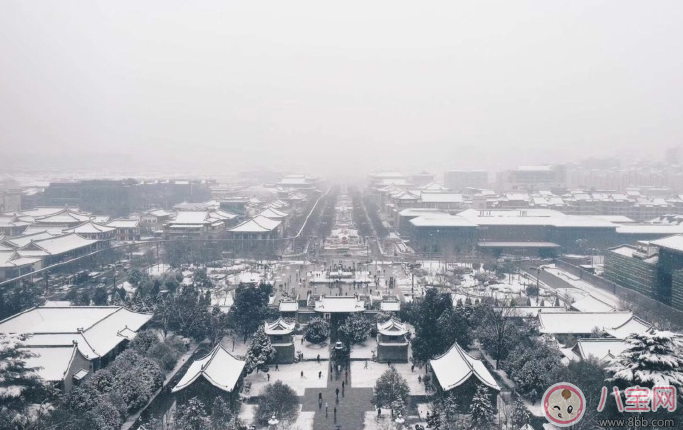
pixel 674 243
pixel 441 221
pixel 279 327
pixel 96 329
pixel 392 327
pixel 456 366
pixel 53 363
pixel 580 322
pixel 288 306
pixel 258 224
pixel 62 244
pixel 633 325
pixel 332 304
pixel 219 368
pixel 602 349
pixel 124 223
pixel 90 228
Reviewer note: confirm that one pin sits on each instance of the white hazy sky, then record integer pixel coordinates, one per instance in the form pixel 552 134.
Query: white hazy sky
pixel 209 86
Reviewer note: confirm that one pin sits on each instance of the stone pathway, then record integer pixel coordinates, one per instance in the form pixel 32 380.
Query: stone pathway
pixel 351 406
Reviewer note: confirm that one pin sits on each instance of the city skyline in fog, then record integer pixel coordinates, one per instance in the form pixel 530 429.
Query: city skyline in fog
pixel 303 86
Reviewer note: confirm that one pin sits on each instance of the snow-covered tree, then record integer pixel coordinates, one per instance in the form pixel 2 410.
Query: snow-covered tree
pixel 355 329
pixel 317 331
pixel 389 388
pixel 651 359
pixel 277 399
pixel 16 378
pixel 192 416
pixel 260 351
pixel 520 415
pixel 481 410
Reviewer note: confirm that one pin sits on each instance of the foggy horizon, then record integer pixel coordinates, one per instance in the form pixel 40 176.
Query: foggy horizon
pixel 213 88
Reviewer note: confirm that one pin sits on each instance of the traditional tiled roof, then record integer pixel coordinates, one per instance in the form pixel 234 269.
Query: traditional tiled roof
pixel 580 322
pixel 124 223
pixel 456 366
pixel 392 327
pixel 288 306
pixel 279 327
pixel 96 329
pixel 219 368
pixel 60 244
pixel 90 228
pixel 273 213
pixel 258 224
pixel 52 362
pixel 604 349
pixel 339 304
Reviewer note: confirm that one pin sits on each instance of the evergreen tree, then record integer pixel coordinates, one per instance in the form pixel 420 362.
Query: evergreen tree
pixel 318 331
pixel 651 359
pixel 481 410
pixel 355 329
pixel 520 415
pixel 278 399
pixel 390 387
pixel 192 416
pixel 19 384
pixel 250 309
pixel 260 352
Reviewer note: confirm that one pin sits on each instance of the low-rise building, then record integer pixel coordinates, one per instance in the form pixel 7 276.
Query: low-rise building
pixel 205 224
pixel 392 343
pixel 458 372
pixel 127 230
pixel 218 374
pixel 281 337
pixel 99 332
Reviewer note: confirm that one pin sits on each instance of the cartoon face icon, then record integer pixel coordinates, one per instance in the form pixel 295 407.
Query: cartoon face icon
pixel 564 404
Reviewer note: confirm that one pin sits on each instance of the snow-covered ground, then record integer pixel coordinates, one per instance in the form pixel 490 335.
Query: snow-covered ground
pixel 366 378
pixel 594 291
pixel 365 350
pixel 290 374
pixel 312 350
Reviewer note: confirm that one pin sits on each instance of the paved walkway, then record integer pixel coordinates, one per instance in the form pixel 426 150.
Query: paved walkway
pixel 351 406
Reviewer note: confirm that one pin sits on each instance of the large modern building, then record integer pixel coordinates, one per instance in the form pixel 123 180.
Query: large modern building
pixel 530 178
pixel 654 269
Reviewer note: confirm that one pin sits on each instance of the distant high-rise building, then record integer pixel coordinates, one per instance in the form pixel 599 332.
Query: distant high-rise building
pixel 460 180
pixel 533 178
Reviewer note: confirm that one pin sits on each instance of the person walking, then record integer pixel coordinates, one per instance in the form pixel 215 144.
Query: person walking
pixel 342 386
pixel 335 413
pixel 302 373
pixel 320 374
pixel 337 392
pixel 268 374
pixel 276 367
pixel 366 364
pixel 326 406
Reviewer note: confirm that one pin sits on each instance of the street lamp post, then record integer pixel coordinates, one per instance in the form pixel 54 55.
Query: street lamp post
pixel 273 421
pixel 399 421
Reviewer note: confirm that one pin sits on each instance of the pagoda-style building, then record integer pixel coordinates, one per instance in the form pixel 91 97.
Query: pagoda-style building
pixel 281 337
pixel 392 343
pixel 218 374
